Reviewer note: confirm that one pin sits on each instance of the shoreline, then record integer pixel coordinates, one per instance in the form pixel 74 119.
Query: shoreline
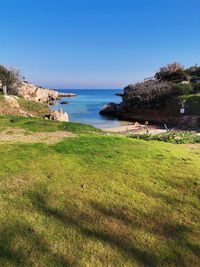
pixel 135 128
pixel 141 129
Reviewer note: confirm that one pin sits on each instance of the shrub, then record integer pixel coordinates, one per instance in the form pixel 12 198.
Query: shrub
pixel 150 93
pixel 172 73
pixel 195 88
pixel 192 104
pixel 171 137
pixel 10 77
pixel 193 71
pixel 184 89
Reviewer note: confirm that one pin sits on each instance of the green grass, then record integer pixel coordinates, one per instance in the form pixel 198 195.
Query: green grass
pixel 40 125
pixel 98 200
pixel 1 96
pixel 33 107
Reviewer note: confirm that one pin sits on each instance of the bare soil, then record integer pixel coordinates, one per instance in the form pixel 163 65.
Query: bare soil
pixel 20 135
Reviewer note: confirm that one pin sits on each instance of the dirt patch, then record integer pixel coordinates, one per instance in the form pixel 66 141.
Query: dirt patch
pixel 20 135
pixel 194 146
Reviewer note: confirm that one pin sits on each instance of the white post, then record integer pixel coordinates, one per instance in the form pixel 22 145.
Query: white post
pixel 4 89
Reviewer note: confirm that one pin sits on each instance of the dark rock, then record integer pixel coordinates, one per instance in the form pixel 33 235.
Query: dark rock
pixel 67 94
pixel 120 94
pixel 57 116
pixel 109 109
pixel 64 103
pixel 188 122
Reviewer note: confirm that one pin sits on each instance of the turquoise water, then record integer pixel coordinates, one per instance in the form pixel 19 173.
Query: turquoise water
pixel 85 107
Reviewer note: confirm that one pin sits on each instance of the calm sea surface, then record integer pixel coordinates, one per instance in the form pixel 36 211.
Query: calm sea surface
pixel 85 107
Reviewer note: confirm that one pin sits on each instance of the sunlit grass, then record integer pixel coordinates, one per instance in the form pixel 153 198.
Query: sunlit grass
pixel 98 200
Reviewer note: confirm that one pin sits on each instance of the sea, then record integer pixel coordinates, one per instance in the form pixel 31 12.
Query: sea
pixel 85 106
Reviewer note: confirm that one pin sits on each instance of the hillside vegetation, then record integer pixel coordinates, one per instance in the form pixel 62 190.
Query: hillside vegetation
pixel 22 106
pixel 170 97
pixel 169 82
pixel 97 200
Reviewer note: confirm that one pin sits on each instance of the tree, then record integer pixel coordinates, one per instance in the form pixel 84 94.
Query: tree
pixel 174 72
pixel 151 94
pixel 193 72
pixel 10 77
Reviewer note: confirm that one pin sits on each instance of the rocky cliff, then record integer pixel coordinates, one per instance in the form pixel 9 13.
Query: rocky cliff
pixel 14 105
pixel 37 93
pixel 31 101
pixel 156 103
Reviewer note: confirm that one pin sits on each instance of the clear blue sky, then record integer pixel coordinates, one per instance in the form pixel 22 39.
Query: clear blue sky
pixel 97 43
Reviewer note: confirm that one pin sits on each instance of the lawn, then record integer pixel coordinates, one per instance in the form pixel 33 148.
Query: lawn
pixel 98 200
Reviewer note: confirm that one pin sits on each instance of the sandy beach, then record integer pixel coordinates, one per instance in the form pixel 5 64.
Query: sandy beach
pixel 135 128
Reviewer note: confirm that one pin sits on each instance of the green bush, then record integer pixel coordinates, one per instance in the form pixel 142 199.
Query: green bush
pixel 172 137
pixel 10 77
pixel 184 89
pixel 196 88
pixel 193 71
pixel 192 103
pixel 176 73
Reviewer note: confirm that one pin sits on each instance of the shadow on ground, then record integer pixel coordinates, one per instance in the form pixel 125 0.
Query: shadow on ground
pixel 115 226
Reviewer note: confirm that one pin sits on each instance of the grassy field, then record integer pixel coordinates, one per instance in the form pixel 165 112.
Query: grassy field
pixel 97 200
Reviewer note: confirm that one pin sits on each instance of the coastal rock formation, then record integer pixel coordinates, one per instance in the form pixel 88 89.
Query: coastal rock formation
pixel 10 105
pixel 157 102
pixel 66 95
pixel 39 94
pixel 189 122
pixel 57 116
pixel 153 104
pixel 119 94
pixel 31 92
pixel 36 93
pixel 12 101
pixel 109 109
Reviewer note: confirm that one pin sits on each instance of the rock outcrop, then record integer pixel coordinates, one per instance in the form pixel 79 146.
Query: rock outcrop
pixel 36 93
pixel 12 101
pixel 10 105
pixel 156 105
pixel 66 94
pixel 57 116
pixel 163 110
pixel 14 105
pixel 190 122
pixel 133 110
pixel 109 110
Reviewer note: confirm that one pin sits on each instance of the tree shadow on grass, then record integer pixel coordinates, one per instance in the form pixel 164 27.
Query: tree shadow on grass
pixel 98 226
pixel 114 225
pixel 182 251
pixel 20 245
pixel 88 225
